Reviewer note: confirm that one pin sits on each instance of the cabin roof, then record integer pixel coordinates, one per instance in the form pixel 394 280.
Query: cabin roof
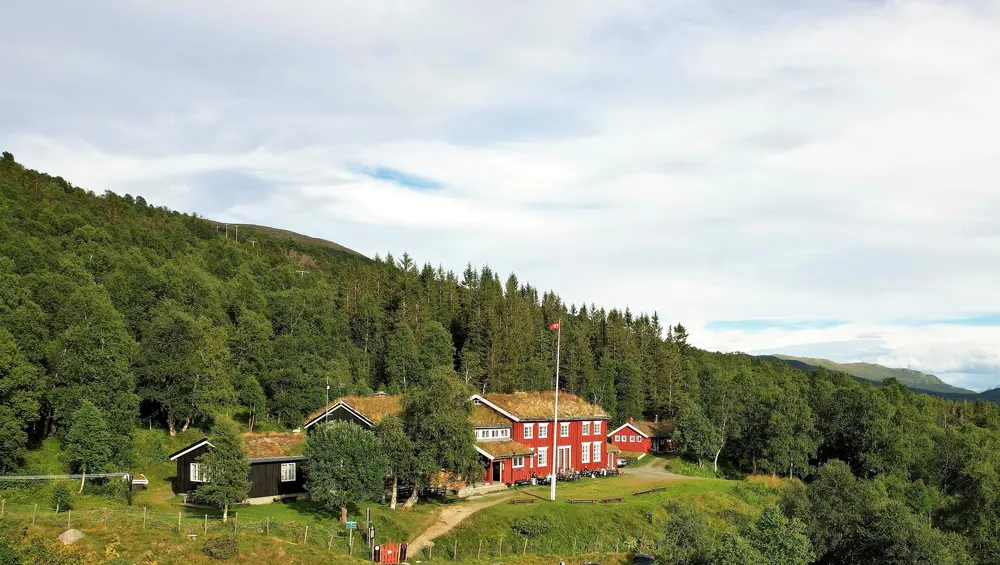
pixel 371 408
pixel 540 405
pixel 272 445
pixel 648 429
pixel 486 417
pixel 260 447
pixel 502 449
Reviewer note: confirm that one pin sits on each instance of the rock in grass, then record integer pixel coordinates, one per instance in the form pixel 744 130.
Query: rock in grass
pixel 69 537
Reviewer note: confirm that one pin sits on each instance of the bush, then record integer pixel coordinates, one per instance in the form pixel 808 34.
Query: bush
pixel 681 467
pixel 222 548
pixel 531 526
pixel 61 497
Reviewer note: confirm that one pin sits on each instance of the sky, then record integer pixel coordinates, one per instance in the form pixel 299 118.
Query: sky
pixel 816 178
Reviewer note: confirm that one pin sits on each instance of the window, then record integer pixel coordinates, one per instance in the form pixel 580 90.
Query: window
pixel 597 452
pixel 543 456
pixel 543 430
pixel 597 428
pixel 585 453
pixel 287 472
pixel 618 438
pixel 564 429
pixel 198 473
pixel 518 462
pixel 635 439
pixel 505 432
pixel 529 431
pixel 586 428
pixel 493 433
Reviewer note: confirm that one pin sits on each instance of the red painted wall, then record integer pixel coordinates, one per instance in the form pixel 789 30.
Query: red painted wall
pixel 509 474
pixel 640 446
pixel 574 440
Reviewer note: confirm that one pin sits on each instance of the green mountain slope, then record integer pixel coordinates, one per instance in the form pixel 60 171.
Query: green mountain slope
pixel 878 373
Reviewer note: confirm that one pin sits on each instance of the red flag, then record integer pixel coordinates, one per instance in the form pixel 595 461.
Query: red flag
pixel 554 326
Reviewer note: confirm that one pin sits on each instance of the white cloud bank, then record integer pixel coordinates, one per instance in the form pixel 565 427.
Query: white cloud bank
pixel 711 161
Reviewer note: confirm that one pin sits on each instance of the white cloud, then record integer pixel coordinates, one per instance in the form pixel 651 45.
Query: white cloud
pixel 706 160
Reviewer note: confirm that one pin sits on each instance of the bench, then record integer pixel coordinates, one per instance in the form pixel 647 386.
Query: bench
pixel 616 499
pixel 193 537
pixel 523 501
pixel 641 492
pixel 582 501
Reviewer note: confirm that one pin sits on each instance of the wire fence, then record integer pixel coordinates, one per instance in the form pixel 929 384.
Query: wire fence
pixel 187 524
pixel 515 546
pixel 332 538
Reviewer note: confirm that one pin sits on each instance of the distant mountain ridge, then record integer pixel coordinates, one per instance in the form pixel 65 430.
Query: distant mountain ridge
pixel 877 373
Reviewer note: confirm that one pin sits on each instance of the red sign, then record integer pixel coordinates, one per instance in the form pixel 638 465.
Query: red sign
pixel 554 326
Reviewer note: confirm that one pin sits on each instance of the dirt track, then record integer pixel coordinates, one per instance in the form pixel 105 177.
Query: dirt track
pixel 452 516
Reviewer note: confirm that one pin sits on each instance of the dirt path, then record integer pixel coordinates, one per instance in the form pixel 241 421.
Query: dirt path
pixel 450 517
pixel 652 467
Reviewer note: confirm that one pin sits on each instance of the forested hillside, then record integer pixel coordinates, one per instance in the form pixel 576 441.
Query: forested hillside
pixel 158 319
pixel 877 373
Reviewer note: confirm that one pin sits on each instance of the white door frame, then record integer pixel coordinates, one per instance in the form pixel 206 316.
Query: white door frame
pixel 564 463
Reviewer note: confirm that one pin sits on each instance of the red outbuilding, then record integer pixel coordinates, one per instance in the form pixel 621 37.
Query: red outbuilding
pixel 637 438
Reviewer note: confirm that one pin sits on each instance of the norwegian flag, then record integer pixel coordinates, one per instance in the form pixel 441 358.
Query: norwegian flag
pixel 554 326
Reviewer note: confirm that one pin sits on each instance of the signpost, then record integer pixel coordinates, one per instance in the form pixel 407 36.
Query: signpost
pixel 351 526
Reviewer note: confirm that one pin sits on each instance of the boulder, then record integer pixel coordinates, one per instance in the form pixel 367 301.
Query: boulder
pixel 69 537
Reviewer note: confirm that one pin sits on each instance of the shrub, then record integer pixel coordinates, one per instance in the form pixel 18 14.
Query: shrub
pixel 531 526
pixel 61 497
pixel 222 548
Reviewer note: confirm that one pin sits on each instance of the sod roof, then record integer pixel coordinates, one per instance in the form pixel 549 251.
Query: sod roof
pixel 486 417
pixel 273 444
pixel 503 449
pixel 655 429
pixel 539 405
pixel 373 408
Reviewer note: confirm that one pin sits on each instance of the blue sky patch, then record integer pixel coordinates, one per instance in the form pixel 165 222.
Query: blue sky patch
pixel 398 177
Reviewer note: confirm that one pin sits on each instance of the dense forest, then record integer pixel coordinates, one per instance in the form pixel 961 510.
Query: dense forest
pixel 143 316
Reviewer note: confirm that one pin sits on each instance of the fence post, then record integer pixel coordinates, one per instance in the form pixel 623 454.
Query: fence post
pixel 480 552
pixel 57 508
pixel 34 513
pixel 69 518
pixel 267 527
pixel 105 518
pixel 456 549
pixel 574 546
pixel 350 542
pixel 236 521
pixel 329 544
pixel 178 522
pixel 500 552
pixel 525 550
pixel 305 537
pixel 206 524
pixel 144 517
pixel 3 508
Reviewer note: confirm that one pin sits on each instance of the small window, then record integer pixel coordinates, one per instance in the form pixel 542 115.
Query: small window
pixel 543 431
pixel 585 453
pixel 543 457
pixel 586 428
pixel 198 474
pixel 288 472
pixel 564 429
pixel 597 452
pixel 493 433
pixel 518 462
pixel 618 438
pixel 597 428
pixel 529 431
pixel 505 432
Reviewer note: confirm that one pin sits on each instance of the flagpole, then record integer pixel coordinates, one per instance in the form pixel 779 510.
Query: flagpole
pixel 326 417
pixel 555 415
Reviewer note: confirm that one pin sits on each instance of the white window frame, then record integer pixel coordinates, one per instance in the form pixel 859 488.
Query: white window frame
pixel 584 453
pixel 543 431
pixel 517 462
pixel 597 427
pixel 563 429
pixel 618 439
pixel 529 431
pixel 285 468
pixel 198 472
pixel 597 452
pixel 543 457
pixel 586 428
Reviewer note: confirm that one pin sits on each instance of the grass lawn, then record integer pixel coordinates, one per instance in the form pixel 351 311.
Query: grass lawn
pixel 570 530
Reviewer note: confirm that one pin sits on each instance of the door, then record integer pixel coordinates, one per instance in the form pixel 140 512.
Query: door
pixel 565 461
pixel 497 471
